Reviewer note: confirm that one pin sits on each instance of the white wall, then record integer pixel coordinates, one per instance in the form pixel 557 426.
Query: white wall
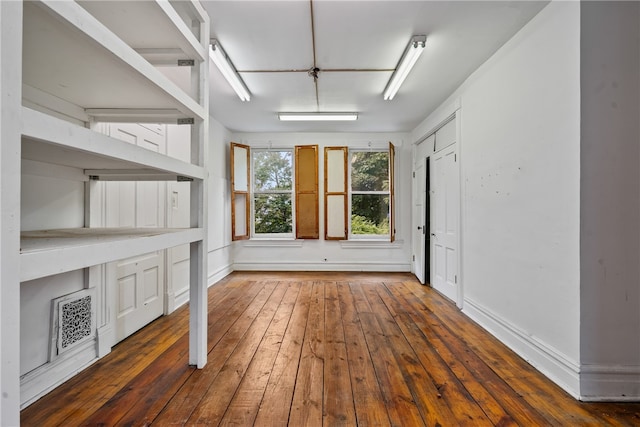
pixel 178 209
pixel 50 197
pixel 219 262
pixel 610 201
pixel 520 169
pixel 333 255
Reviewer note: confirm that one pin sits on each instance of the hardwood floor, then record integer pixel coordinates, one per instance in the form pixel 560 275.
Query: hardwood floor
pixel 312 349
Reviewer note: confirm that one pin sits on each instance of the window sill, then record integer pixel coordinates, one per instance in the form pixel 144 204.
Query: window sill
pixel 371 244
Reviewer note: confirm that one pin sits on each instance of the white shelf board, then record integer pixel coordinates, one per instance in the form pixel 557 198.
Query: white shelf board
pixel 69 54
pixel 48 252
pixel 191 11
pixel 51 140
pixel 152 24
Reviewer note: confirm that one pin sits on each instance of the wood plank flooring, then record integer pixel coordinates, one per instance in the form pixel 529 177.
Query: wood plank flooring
pixel 319 349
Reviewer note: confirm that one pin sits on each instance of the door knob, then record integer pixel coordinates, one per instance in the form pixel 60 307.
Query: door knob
pixel 419 228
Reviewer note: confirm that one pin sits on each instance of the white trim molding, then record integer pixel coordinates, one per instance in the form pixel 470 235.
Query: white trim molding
pixel 371 244
pixel 610 383
pixel 219 274
pixel 45 378
pixel 362 266
pixel 556 366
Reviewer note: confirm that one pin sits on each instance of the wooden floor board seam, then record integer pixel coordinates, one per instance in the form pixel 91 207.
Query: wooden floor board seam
pixel 319 349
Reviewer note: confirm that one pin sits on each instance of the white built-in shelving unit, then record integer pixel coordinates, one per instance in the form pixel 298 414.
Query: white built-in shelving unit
pixel 65 65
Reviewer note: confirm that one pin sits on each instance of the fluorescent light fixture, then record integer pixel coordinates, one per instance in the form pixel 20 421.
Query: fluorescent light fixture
pixel 408 60
pixel 306 117
pixel 224 64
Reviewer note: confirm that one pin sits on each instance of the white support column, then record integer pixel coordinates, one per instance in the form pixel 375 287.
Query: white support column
pixel 10 147
pixel 198 261
pixel 199 216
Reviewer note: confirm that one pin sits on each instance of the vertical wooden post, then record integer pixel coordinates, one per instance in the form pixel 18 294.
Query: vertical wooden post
pixel 199 214
pixel 10 148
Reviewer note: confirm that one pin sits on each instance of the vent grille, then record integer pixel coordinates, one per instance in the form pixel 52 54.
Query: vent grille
pixel 75 322
pixel 72 321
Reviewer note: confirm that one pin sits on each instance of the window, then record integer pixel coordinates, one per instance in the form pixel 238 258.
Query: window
pixel 369 193
pixel 266 185
pixel 272 192
pixel 359 193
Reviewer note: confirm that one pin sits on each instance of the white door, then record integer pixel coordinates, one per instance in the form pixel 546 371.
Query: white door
pixel 139 281
pixel 420 214
pixel 419 223
pixel 445 196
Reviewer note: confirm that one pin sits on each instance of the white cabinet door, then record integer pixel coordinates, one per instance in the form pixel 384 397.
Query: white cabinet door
pixel 445 196
pixel 139 281
pixel 140 293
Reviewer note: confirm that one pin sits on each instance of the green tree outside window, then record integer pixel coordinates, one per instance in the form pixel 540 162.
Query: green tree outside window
pixel 272 195
pixel 370 193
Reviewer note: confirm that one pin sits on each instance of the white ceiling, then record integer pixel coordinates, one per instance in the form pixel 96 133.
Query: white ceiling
pixel 277 35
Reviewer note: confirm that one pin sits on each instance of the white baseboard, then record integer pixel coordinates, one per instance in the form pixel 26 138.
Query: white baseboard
pixel 219 274
pixel 106 339
pixel 610 383
pixel 180 298
pixel 42 380
pixel 557 367
pixel 323 266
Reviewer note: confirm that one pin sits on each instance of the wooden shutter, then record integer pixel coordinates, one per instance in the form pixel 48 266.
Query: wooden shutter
pixel 392 192
pixel 240 191
pixel 307 203
pixel 335 193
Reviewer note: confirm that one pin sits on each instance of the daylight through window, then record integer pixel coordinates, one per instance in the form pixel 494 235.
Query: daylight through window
pixel 272 192
pixel 370 193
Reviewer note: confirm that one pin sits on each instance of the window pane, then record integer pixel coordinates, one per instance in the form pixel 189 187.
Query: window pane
pixel 272 170
pixel 370 214
pixel 370 171
pixel 273 213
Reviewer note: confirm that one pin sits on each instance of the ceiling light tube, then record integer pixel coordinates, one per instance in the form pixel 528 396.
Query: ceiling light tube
pixel 224 64
pixel 408 60
pixel 305 117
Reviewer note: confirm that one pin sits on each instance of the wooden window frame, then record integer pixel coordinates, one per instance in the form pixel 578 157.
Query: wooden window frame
pixel 392 192
pixel 299 191
pixel 235 193
pixel 343 193
pixel 303 190
pixel 346 193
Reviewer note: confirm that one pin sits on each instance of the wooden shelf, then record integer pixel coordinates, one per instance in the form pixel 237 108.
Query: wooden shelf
pixel 47 252
pixel 69 54
pixel 51 140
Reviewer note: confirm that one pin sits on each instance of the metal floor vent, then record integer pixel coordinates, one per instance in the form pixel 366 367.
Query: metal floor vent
pixel 73 321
